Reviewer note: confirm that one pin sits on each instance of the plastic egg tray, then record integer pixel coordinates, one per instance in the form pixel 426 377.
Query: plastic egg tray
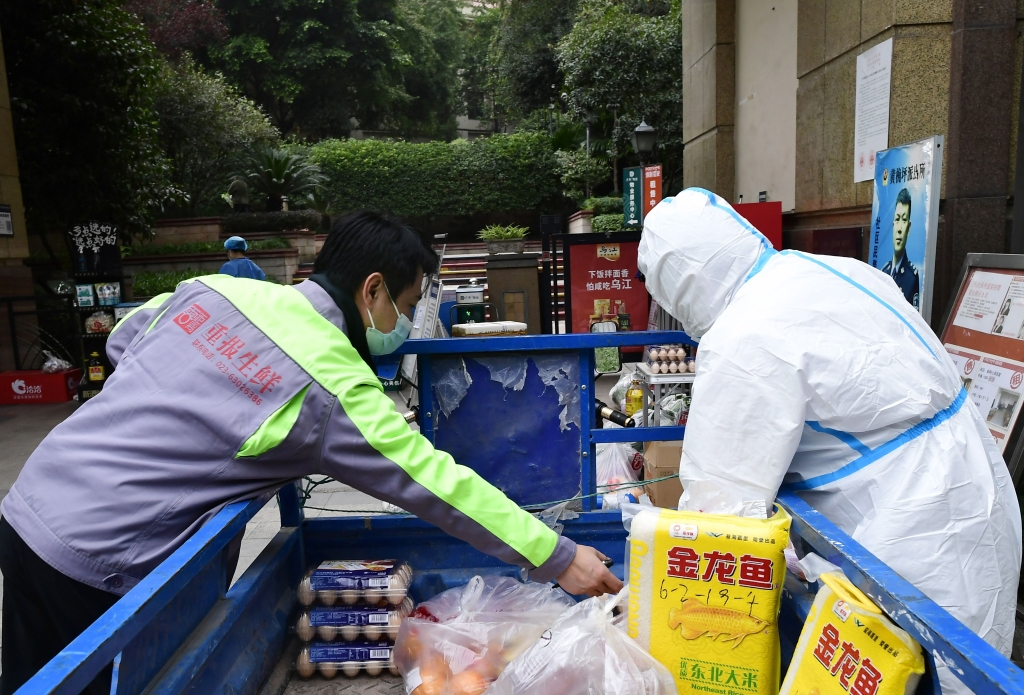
pixel 668 359
pixel 355 582
pixel 351 623
pixel 348 659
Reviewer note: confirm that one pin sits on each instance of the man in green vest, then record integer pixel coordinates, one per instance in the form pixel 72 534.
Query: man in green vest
pixel 224 390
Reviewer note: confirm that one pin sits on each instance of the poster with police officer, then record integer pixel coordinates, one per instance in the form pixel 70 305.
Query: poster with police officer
pixel 905 217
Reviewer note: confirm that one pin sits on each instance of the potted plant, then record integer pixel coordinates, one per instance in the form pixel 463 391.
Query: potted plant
pixel 504 238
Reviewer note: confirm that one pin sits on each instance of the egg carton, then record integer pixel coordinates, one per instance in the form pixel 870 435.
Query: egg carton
pixel 672 367
pixel 330 659
pixel 354 582
pixel 665 353
pixel 351 623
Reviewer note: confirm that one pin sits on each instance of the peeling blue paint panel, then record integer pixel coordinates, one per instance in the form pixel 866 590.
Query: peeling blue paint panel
pixel 514 439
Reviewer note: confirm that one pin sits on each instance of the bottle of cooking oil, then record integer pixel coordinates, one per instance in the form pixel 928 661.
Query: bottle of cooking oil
pixel 97 372
pixel 634 398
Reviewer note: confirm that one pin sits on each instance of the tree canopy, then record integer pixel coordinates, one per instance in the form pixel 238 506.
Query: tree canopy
pixel 82 78
pixel 323 67
pixel 621 65
pixel 179 26
pixel 527 75
pixel 206 127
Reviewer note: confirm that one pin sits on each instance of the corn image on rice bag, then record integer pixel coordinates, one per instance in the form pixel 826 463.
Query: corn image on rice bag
pixel 704 597
pixel 849 646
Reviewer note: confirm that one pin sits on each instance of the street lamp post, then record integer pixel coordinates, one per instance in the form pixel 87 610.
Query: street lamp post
pixel 644 138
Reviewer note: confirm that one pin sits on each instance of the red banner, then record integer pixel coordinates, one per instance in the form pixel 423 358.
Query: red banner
pixel 604 287
pixel 652 187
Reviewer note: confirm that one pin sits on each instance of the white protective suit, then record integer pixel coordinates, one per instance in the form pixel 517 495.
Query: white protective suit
pixel 814 372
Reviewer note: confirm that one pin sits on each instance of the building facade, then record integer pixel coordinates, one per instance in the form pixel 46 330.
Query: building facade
pixel 15 276
pixel 769 98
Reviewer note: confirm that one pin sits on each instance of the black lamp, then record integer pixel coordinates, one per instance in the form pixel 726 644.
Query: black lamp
pixel 644 139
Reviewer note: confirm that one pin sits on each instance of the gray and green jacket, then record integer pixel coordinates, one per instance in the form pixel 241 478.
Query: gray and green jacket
pixel 225 389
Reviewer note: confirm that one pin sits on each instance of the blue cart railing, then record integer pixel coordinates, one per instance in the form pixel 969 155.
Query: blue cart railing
pixel 183 630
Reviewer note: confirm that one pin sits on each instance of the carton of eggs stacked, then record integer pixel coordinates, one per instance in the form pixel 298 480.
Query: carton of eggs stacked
pixel 355 582
pixel 669 359
pixel 350 623
pixel 351 659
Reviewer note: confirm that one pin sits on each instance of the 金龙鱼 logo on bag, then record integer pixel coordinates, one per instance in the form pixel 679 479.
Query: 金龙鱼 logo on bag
pixel 687 532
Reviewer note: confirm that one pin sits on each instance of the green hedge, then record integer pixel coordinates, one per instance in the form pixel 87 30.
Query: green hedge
pixel 497 173
pixel 281 221
pixel 608 223
pixel 603 206
pixel 150 284
pixel 200 247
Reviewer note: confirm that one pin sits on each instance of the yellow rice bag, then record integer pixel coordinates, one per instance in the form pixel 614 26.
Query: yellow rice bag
pixel 849 647
pixel 704 597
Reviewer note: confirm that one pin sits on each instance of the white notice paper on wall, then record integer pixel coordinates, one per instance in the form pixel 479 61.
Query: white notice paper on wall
pixel 871 135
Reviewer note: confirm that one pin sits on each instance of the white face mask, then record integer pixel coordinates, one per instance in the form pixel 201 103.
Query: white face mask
pixel 386 343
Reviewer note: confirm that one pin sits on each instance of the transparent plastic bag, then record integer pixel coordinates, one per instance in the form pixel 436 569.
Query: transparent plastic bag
pixel 54 364
pixel 458 642
pixel 586 652
pixel 618 392
pixel 616 467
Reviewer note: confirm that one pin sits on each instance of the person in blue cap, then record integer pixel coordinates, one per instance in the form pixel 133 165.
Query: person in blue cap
pixel 238 265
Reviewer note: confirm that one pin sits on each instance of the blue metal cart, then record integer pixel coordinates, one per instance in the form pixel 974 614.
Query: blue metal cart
pixel 183 630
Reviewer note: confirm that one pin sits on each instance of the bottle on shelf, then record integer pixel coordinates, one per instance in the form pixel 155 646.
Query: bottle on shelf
pixel 97 372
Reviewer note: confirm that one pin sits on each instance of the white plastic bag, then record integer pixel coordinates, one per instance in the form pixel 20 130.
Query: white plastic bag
pixel 616 466
pixel 586 652
pixel 459 641
pixel 618 392
pixel 54 364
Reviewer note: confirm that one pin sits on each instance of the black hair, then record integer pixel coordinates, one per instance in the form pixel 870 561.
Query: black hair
pixel 363 243
pixel 903 198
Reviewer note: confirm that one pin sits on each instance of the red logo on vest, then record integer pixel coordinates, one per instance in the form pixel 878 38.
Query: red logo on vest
pixel 192 318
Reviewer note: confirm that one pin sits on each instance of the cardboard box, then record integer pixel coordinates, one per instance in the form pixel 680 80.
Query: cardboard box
pixel 34 386
pixel 662 459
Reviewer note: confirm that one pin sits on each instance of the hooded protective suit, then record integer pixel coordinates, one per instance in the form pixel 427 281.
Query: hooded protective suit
pixel 814 372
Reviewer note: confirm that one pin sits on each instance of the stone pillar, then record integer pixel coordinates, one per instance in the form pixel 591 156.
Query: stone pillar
pixel 978 143
pixel 709 95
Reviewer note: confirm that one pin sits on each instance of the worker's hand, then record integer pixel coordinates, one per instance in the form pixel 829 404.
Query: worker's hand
pixel 588 575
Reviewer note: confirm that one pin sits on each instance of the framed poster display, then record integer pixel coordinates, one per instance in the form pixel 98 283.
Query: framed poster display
pixel 983 331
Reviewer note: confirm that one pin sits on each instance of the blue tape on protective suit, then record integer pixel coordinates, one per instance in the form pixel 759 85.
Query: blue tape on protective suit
pixel 762 261
pixel 736 216
pixel 868 292
pixel 872 455
pixel 845 437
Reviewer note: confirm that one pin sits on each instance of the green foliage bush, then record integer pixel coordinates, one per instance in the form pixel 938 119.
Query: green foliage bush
pixel 149 283
pixel 199 247
pixel 498 173
pixel 283 220
pixel 205 124
pixel 498 232
pixel 608 223
pixel 603 206
pixel 580 172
